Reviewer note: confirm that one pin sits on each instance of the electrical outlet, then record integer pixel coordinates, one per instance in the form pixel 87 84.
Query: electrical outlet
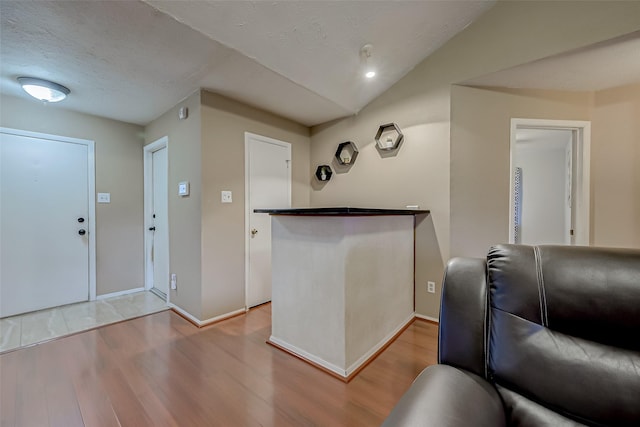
pixel 431 287
pixel 226 196
pixel 174 281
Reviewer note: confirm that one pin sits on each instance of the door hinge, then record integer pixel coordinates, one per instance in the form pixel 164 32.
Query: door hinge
pixel 571 232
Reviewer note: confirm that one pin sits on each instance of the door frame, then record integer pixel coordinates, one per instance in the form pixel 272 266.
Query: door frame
pixel 248 137
pixel 148 151
pixel 91 175
pixel 582 182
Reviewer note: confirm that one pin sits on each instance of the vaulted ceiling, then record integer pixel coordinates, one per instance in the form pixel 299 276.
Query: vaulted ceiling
pixel 600 66
pixel 133 60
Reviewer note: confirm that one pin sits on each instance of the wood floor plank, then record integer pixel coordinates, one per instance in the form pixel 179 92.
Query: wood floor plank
pixel 87 360
pixel 9 368
pixel 61 400
pixel 160 370
pixel 29 393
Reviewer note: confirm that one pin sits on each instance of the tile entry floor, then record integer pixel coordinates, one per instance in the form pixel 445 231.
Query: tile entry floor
pixel 26 329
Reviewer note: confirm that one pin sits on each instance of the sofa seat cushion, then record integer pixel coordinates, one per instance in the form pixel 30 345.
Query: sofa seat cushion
pixel 522 412
pixel 446 396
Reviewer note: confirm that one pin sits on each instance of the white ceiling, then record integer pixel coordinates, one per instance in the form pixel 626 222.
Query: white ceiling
pixel 601 66
pixel 132 60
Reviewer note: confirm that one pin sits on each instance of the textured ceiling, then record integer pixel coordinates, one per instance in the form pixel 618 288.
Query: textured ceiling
pixel 132 61
pixel 316 44
pixel 604 65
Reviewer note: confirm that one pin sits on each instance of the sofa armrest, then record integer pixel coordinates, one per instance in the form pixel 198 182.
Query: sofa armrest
pixel 463 315
pixel 446 396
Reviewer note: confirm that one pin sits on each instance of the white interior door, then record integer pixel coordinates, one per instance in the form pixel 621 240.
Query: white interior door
pixel 160 222
pixel 44 189
pixel 268 185
pixel 157 217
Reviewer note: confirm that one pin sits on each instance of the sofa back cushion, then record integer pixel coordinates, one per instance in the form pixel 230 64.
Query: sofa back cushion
pixel 565 329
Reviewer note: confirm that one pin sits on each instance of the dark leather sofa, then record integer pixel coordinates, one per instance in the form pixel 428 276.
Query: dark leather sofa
pixel 534 336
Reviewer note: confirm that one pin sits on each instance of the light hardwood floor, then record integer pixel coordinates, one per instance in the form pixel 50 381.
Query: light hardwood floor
pixel 160 370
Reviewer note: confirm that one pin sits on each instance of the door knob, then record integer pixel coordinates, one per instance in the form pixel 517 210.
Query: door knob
pixel 152 229
pixel 82 232
pixel 80 219
pixel 254 231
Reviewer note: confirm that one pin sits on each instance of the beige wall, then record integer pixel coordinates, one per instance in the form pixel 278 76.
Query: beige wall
pixel 224 123
pixel 207 237
pixel 418 174
pixel 118 165
pixel 511 33
pixel 480 123
pixel 184 212
pixel 480 148
pixel 615 167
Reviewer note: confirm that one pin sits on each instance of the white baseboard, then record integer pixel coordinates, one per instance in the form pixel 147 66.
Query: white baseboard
pixel 345 373
pixel 384 341
pixel 308 356
pixel 429 318
pixel 201 323
pixel 120 293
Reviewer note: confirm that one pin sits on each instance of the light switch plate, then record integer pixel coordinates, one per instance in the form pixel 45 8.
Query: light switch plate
pixel 104 197
pixel 226 197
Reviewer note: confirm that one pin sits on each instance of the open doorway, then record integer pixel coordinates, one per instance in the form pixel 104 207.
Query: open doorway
pixel 549 193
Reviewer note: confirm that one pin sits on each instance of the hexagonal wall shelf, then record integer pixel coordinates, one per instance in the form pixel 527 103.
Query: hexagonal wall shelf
pixel 389 137
pixel 323 173
pixel 346 153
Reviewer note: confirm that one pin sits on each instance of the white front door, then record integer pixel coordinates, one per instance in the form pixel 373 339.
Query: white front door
pixel 44 223
pixel 157 221
pixel 268 185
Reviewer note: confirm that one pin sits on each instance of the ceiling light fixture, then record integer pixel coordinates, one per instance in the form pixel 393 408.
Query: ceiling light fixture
pixel 365 54
pixel 43 90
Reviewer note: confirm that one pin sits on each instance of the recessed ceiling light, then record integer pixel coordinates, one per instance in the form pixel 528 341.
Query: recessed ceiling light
pixel 43 90
pixel 365 56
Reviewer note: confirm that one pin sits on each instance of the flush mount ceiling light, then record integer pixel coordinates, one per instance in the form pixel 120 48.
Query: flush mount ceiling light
pixel 365 54
pixel 43 90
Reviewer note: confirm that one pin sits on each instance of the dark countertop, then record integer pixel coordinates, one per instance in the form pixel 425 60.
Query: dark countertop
pixel 341 211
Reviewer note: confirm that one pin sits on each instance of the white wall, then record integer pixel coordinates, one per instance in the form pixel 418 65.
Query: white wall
pixel 543 192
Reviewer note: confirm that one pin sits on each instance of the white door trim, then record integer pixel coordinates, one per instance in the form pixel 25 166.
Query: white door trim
pixel 248 136
pixel 92 192
pixel 583 171
pixel 148 151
